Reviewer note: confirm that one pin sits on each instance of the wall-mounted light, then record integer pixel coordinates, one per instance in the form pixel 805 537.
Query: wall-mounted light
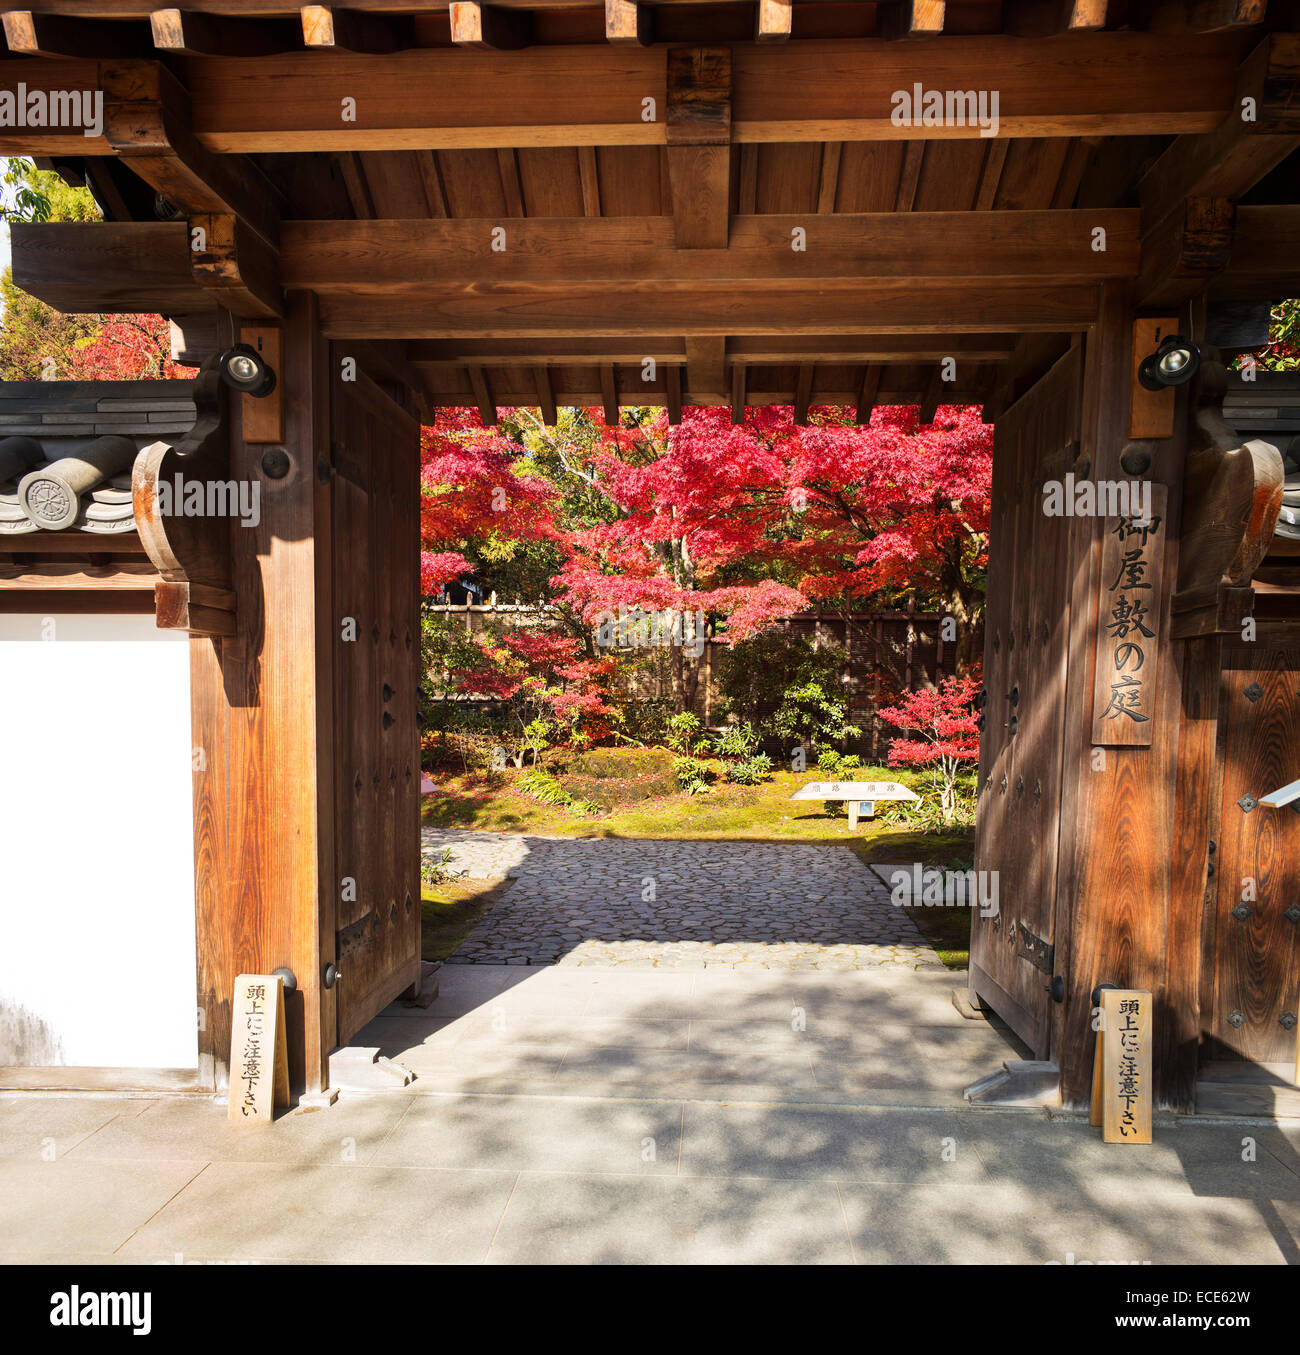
pixel 1176 361
pixel 244 369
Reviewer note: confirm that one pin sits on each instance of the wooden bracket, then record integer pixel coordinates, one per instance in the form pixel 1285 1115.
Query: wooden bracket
pixel 1232 495
pixel 262 418
pixel 192 553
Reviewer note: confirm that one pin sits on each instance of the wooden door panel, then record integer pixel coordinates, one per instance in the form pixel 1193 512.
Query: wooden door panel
pixel 1018 820
pixel 377 776
pixel 1257 946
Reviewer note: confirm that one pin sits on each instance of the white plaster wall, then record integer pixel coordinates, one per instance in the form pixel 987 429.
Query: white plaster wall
pixel 97 951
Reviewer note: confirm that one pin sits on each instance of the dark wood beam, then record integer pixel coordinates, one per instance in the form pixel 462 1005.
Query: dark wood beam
pixel 483 396
pixel 772 20
pixel 1265 262
pixel 78 268
pixel 617 306
pixel 1047 245
pixel 673 393
pixel 930 400
pixel 701 309
pixel 186 33
pixel 706 356
pixel 738 375
pixel 589 179
pixel 803 392
pixel 327 28
pixel 489 26
pixel 909 177
pixel 1203 16
pixel 867 392
pixel 698 131
pixel 609 395
pixel 762 350
pixel 1234 156
pixel 828 185
pixel 545 394
pixel 629 23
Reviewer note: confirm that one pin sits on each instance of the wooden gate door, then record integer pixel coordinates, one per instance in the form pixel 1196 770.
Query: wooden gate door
pixel 1256 922
pixel 1025 650
pixel 376 593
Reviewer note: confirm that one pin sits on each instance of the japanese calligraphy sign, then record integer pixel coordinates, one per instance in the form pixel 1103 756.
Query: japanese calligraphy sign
pixel 1128 625
pixel 1126 1065
pixel 259 1052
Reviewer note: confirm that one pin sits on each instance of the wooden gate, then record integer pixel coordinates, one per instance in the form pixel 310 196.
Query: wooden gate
pixel 1255 964
pixel 376 581
pixel 1025 651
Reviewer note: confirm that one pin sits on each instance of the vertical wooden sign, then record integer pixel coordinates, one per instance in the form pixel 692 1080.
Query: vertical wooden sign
pixel 1128 627
pixel 1126 1065
pixel 259 1051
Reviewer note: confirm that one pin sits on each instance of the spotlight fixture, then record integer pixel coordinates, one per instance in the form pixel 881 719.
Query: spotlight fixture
pixel 1176 361
pixel 244 369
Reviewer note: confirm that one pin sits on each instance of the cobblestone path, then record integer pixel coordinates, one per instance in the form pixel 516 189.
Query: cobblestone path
pixel 680 905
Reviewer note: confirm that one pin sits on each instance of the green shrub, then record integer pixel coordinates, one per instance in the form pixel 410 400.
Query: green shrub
pixel 543 786
pixel 736 741
pixel 692 774
pixel 752 771
pixel 683 733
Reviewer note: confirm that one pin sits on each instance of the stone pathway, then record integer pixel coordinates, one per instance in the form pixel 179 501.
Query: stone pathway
pixel 649 904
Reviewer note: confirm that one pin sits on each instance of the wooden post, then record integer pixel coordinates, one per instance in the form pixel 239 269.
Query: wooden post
pixel 1119 916
pixel 260 702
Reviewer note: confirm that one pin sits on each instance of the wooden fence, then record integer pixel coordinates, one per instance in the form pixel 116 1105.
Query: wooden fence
pixel 893 650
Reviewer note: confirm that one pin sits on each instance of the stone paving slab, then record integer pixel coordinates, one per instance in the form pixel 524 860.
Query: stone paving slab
pixel 536 1179
pixel 650 904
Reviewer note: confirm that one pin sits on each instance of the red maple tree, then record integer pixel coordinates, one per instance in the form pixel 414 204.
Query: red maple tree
pixel 948 730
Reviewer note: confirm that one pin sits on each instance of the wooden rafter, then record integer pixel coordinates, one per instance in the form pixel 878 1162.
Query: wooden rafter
pixel 772 20
pixel 328 28
pixel 186 33
pixel 489 26
pixel 52 35
pixel 912 18
pixel 1042 18
pixel 627 22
